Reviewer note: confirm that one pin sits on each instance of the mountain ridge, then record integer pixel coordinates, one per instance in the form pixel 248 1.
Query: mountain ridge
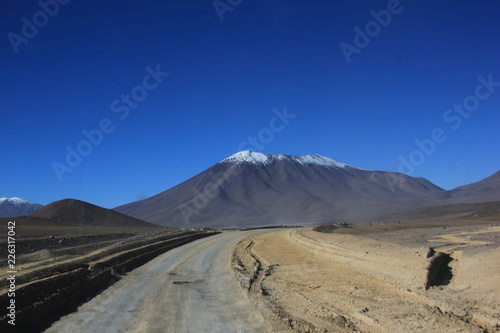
pixel 486 189
pixel 15 206
pixel 261 158
pixel 250 188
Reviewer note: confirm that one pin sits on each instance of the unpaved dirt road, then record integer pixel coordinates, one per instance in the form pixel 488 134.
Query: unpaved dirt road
pixel 188 289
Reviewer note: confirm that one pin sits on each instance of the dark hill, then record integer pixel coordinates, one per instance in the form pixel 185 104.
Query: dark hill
pixel 75 212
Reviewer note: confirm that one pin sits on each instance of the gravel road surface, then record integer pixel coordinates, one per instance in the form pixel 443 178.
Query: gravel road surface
pixel 188 289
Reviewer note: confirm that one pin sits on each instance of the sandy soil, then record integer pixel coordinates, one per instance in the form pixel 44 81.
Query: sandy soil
pixel 377 278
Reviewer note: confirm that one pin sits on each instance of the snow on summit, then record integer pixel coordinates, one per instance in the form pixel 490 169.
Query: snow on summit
pixel 260 158
pixel 16 206
pixel 15 201
pixel 319 160
pixel 248 156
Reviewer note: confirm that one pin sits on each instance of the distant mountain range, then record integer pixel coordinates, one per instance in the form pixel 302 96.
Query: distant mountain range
pixel 251 189
pixel 255 189
pixel 16 206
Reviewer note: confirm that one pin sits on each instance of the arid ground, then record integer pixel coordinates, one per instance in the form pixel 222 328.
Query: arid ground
pixel 426 276
pixel 60 268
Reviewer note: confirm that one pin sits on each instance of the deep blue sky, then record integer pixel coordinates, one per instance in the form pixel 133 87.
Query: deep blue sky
pixel 226 77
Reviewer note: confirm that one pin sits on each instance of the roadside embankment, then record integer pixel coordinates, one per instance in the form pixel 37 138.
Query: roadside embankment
pixel 57 286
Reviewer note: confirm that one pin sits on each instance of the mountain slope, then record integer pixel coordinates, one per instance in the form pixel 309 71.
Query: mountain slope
pixel 487 189
pixel 10 207
pixel 258 189
pixel 75 212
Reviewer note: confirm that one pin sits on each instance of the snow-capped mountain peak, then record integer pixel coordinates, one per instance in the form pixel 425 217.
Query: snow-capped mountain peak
pixel 15 200
pixel 249 156
pixel 16 206
pixel 260 158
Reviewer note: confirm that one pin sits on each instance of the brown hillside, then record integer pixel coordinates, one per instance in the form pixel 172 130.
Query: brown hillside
pixel 75 212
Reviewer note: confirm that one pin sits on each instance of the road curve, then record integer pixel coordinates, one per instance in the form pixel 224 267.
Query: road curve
pixel 188 289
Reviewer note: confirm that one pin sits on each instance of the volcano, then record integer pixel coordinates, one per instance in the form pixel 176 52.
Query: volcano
pixel 255 189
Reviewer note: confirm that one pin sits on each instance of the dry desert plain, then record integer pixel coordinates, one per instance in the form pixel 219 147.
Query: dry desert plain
pixel 382 277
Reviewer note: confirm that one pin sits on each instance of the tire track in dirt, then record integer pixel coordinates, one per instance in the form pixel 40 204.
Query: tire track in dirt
pixel 343 283
pixel 459 240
